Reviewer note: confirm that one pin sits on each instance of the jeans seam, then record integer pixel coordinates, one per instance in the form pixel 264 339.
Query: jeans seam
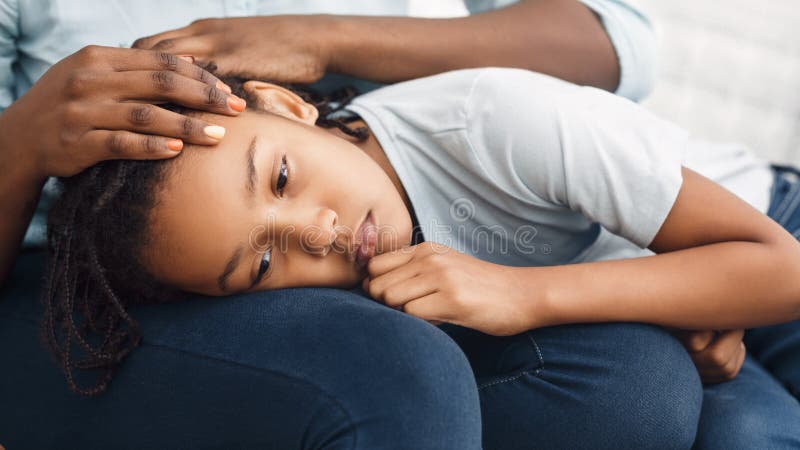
pixel 538 350
pixel 535 371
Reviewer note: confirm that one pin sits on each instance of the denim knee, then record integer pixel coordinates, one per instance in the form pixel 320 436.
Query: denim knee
pixel 384 379
pixel 654 395
pixel 303 368
pixel 602 386
pixel 411 386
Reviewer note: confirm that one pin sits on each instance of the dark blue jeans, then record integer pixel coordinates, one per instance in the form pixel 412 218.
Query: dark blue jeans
pixel 760 408
pixel 331 369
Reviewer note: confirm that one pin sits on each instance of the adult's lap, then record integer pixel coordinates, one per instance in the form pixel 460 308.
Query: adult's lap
pixel 302 368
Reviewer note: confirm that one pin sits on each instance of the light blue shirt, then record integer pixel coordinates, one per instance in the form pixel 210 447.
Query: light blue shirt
pixel 35 34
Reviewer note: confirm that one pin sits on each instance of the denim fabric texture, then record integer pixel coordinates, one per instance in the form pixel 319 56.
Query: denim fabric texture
pixel 331 369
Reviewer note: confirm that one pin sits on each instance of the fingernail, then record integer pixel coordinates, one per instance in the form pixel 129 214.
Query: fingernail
pixel 214 131
pixel 175 144
pixel 224 87
pixel 236 103
pixel 189 58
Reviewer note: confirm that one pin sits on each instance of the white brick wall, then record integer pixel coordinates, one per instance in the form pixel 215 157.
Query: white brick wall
pixel 730 70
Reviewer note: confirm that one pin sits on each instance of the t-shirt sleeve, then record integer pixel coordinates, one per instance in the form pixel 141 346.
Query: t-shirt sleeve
pixel 634 40
pixel 580 148
pixel 9 30
pixel 630 31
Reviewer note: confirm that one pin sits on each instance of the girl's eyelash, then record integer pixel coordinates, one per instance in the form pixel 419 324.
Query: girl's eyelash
pixel 283 176
pixel 263 266
pixel 283 179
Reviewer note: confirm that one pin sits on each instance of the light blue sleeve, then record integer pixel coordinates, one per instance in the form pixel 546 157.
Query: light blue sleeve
pixel 9 30
pixel 634 40
pixel 631 34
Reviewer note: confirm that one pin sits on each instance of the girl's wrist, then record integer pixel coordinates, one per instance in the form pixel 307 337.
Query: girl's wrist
pixel 532 292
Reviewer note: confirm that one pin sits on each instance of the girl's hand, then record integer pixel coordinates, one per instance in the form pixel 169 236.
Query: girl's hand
pixel 277 48
pixel 718 357
pixel 439 284
pixel 97 104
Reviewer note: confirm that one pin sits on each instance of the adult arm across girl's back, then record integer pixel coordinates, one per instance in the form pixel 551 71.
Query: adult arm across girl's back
pixel 92 106
pixel 563 38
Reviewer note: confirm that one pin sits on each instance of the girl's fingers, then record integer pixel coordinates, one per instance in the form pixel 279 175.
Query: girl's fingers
pixel 733 369
pixel 407 290
pixel 377 286
pixel 717 357
pixel 385 262
pixel 694 341
pixel 164 85
pixel 150 119
pixel 119 144
pixel 431 307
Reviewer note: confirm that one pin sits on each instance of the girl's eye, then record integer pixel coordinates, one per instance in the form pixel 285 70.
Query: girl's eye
pixel 283 176
pixel 263 267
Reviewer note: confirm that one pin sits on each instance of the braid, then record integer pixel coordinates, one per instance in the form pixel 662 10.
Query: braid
pixel 86 323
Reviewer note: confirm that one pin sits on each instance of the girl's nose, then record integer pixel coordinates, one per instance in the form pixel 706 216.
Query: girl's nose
pixel 318 235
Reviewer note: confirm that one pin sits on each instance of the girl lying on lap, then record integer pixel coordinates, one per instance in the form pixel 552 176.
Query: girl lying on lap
pixel 496 199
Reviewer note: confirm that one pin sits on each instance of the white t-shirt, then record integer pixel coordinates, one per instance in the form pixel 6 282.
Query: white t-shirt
pixel 523 169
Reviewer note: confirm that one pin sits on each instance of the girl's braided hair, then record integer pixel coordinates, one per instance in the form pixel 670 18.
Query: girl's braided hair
pixel 96 233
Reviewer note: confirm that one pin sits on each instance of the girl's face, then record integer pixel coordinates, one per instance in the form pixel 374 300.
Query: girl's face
pixel 276 204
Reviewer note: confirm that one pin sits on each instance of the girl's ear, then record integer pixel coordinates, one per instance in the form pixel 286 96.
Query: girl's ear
pixel 281 101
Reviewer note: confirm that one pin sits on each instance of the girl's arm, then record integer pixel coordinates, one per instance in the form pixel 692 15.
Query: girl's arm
pixel 720 265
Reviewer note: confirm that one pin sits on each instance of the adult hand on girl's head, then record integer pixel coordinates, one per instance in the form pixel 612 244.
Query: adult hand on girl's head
pixel 440 284
pixel 717 356
pixel 278 48
pixel 97 104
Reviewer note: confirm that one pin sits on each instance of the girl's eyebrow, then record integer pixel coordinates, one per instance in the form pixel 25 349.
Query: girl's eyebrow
pixel 251 181
pixel 252 174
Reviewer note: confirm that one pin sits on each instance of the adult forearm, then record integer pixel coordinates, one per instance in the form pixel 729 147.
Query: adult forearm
pixel 719 286
pixel 562 38
pixel 20 187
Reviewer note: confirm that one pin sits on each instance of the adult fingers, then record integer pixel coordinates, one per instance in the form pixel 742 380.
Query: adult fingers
pixel 198 45
pixel 150 119
pixel 120 144
pixel 164 85
pixel 147 42
pixel 129 59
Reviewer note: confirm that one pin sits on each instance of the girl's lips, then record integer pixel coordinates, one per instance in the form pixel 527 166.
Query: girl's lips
pixel 366 237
